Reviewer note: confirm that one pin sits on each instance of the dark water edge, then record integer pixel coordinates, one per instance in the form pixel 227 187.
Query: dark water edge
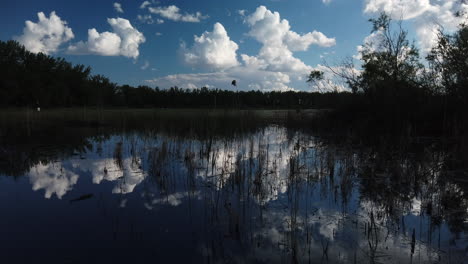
pixel 199 186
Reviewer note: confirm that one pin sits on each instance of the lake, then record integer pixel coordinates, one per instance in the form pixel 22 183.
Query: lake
pixel 223 187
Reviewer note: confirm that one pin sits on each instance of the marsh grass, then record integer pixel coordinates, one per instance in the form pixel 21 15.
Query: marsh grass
pixel 259 170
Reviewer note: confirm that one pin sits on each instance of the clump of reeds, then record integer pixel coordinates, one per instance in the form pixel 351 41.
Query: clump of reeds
pixel 118 155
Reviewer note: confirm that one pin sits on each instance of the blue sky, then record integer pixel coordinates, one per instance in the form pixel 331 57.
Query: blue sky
pixel 270 44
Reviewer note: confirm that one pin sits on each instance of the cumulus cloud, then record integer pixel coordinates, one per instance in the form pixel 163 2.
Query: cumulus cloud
pixel 213 50
pixel 118 7
pixel 173 13
pixel 123 41
pixel 279 42
pixel 274 67
pixel 106 44
pixel 296 42
pixel 131 37
pixel 429 16
pixel 46 35
pixel 268 27
pixel 404 9
pixel 441 16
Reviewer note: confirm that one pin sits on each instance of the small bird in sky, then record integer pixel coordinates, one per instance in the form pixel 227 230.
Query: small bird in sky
pixel 234 83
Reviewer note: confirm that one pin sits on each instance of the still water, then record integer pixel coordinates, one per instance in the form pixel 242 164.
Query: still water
pixel 268 195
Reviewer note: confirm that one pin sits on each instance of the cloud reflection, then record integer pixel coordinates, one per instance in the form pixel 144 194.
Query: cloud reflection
pixel 53 178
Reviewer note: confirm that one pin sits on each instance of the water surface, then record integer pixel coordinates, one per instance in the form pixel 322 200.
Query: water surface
pixel 268 194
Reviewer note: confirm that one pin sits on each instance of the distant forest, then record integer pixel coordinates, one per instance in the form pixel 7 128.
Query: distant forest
pixel 393 79
pixel 30 80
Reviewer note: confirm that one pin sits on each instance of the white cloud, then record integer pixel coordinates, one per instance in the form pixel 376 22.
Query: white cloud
pixel 404 9
pixel 279 42
pixel 105 44
pixel 46 35
pixel 428 16
pixel 268 28
pixel 441 15
pixel 241 12
pixel 172 12
pixel 247 79
pixel 326 1
pixel 131 37
pixel 370 42
pixel 213 50
pixel 118 7
pixel 123 41
pixel 144 4
pixel 296 42
pixel 273 68
pixel 147 19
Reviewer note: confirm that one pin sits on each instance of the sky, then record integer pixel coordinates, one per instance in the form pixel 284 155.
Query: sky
pixel 262 44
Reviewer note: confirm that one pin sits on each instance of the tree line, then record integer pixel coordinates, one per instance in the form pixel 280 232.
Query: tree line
pixel 392 78
pixel 29 79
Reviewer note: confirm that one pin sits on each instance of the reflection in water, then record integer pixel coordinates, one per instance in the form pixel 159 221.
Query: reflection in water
pixel 126 173
pixel 53 178
pixel 272 196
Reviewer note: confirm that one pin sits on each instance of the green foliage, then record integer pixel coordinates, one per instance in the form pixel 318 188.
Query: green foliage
pixel 380 23
pixel 390 72
pixel 390 65
pixel 29 79
pixel 449 61
pixel 314 76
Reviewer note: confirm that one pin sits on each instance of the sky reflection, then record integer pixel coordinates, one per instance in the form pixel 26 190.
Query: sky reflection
pixel 271 196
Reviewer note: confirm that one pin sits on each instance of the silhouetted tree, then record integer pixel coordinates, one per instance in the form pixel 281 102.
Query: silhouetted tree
pixel 314 78
pixel 449 60
pixel 390 65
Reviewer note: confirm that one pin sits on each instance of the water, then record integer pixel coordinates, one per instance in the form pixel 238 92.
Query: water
pixel 270 194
